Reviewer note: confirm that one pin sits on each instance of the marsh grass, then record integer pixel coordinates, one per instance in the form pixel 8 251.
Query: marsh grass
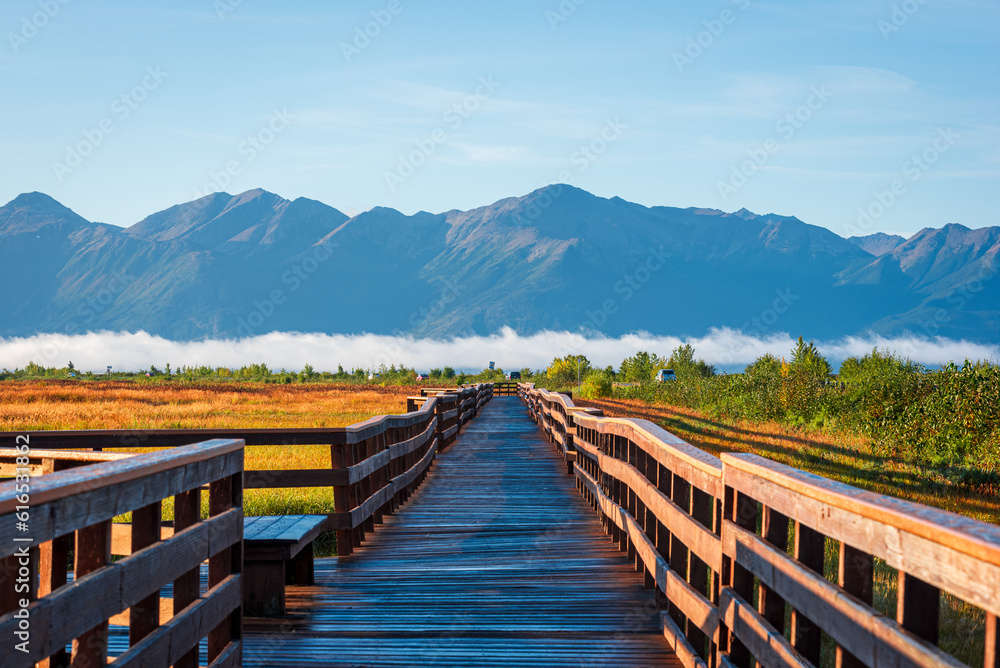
pixel 58 405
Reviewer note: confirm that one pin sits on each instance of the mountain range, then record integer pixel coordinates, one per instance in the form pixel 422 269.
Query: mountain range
pixel 558 258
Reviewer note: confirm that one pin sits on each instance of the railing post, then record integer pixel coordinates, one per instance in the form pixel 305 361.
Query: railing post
pixel 144 617
pixel 857 571
pixel 918 607
pixel 187 513
pixel 93 552
pixel 340 459
pixel 992 643
pixel 224 495
pixel 440 429
pixel 810 551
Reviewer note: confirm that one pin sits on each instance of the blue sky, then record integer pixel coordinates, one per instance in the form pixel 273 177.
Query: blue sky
pixel 664 120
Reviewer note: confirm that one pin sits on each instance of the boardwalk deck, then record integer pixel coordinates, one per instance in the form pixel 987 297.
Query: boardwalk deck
pixel 496 560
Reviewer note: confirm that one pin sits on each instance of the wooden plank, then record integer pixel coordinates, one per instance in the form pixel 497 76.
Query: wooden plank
pixel 287 479
pixel 173 438
pixel 171 642
pixel 397 450
pixel 763 640
pixel 692 533
pixel 695 607
pixel 119 585
pixel 70 500
pixel 682 648
pixel 121 538
pixel 866 634
pixel 957 554
pixel 231 656
pixel 8 455
pixel 696 466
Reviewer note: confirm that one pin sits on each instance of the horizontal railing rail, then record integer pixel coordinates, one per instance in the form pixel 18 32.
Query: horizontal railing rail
pixel 45 519
pixel 736 547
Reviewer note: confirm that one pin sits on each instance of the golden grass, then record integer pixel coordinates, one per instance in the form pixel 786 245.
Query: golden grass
pixel 848 459
pixel 63 405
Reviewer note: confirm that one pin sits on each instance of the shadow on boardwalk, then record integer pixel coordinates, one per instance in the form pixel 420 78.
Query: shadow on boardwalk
pixel 496 560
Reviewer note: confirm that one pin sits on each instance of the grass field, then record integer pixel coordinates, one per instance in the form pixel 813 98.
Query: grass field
pixel 849 460
pixel 58 405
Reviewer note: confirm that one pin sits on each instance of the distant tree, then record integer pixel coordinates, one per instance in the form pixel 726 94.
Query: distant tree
pixel 568 369
pixel 448 373
pixel 435 373
pixel 806 358
pixel 683 362
pixel 640 367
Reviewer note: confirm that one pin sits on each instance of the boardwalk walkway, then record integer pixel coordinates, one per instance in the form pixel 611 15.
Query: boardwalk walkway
pixel 495 561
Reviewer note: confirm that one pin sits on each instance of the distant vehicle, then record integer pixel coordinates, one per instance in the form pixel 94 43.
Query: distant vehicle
pixel 665 374
pixel 514 375
pixel 423 376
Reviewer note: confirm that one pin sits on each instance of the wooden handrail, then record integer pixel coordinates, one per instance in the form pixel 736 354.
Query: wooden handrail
pixel 43 519
pixel 689 518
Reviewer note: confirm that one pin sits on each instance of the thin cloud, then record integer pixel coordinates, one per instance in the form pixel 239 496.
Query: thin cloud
pixel 726 348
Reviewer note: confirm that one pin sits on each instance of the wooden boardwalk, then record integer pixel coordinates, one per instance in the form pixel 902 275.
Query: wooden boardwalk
pixel 495 561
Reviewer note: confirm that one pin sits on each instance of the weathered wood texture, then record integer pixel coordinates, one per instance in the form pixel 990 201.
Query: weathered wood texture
pixel 495 561
pixel 75 508
pixel 689 519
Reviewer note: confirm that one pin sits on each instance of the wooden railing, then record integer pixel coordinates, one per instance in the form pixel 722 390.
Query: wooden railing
pixel 374 465
pixel 736 546
pixel 505 389
pixel 44 519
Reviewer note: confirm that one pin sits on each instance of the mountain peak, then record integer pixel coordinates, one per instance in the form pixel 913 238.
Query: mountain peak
pixel 878 244
pixel 36 201
pixel 745 214
pixel 34 211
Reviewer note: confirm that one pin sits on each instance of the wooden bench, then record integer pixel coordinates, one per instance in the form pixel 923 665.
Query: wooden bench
pixel 277 550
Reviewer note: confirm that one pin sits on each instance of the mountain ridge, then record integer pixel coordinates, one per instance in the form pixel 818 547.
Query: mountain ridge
pixel 556 258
